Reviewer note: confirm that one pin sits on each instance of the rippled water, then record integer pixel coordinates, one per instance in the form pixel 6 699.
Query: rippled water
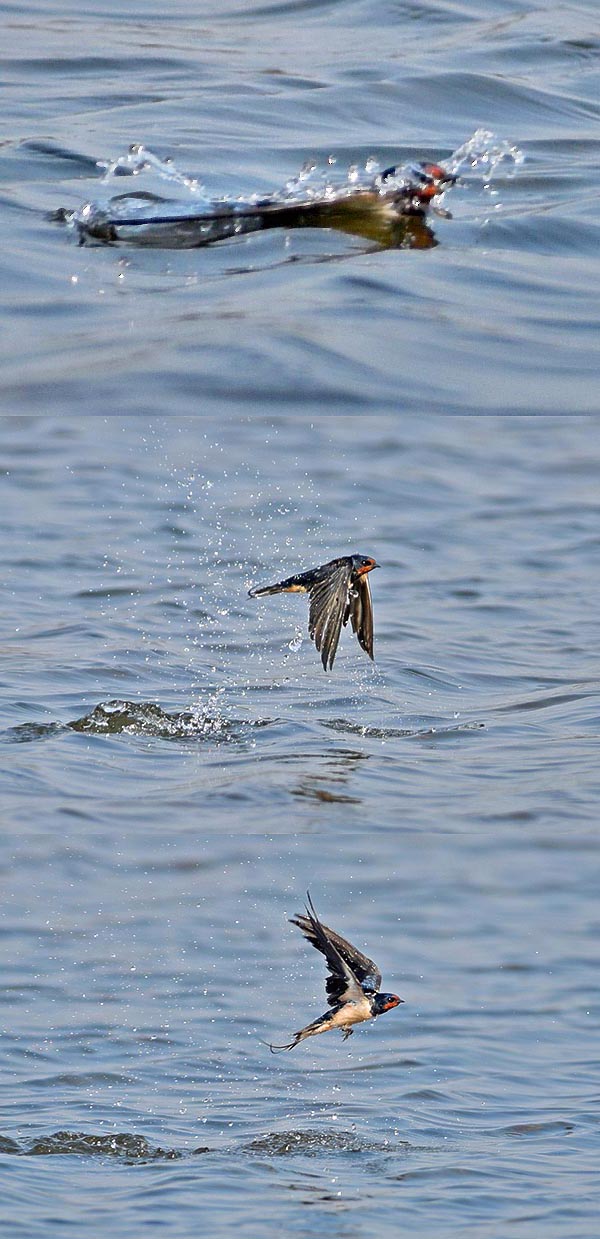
pixel 178 770
pixel 501 315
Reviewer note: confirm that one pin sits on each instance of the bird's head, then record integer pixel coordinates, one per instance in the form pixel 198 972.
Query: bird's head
pixel 385 1002
pixel 363 563
pixel 432 180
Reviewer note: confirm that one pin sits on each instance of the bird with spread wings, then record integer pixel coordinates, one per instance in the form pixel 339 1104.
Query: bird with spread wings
pixel 352 986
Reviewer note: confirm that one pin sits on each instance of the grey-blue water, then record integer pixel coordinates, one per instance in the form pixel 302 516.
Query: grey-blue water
pixel 176 768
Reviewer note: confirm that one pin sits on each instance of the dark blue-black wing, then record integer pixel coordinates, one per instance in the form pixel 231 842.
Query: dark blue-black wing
pixel 360 611
pixel 328 602
pixel 351 972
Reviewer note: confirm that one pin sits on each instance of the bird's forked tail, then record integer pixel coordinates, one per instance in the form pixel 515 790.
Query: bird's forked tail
pixel 318 1026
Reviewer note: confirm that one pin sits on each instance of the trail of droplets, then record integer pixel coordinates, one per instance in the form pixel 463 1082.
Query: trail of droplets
pixel 484 153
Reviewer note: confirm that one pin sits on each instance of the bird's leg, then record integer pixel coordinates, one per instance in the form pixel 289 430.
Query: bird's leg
pixel 346 1032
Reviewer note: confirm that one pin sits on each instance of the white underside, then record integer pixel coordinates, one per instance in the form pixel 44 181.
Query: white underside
pixel 351 1013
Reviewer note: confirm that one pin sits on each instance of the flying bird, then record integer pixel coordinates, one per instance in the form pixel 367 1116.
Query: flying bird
pixel 352 986
pixel 338 591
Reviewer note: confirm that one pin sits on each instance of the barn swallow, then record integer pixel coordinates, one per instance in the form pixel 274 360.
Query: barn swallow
pixel 339 591
pixel 400 193
pixel 352 985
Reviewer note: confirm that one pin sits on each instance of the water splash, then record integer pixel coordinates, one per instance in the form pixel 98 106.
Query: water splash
pixel 483 153
pixel 168 207
pixel 319 184
pixel 141 163
pixel 149 719
pixel 158 184
pixel 148 201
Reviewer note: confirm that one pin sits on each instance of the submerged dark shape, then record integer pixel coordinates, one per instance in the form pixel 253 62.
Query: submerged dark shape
pixel 352 986
pixel 339 591
pixel 390 210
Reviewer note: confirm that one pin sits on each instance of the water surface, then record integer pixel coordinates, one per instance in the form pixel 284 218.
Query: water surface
pixel 178 770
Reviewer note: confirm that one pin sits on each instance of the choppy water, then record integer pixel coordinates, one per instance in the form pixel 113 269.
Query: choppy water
pixel 177 770
pixel 176 767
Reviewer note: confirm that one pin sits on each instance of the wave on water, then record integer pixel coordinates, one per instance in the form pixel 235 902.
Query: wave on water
pixel 420 731
pixel 168 208
pixel 483 154
pixel 126 1146
pixel 148 718
pixel 313 1141
pixel 142 718
pixel 130 1147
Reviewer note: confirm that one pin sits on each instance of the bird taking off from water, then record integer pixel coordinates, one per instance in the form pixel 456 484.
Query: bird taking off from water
pixel 352 986
pixel 338 591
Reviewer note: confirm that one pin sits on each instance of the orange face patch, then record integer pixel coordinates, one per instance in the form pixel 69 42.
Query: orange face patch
pixel 393 1001
pixel 434 170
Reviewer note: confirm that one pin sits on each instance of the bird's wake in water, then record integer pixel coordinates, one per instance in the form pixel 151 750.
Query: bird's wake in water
pixel 145 200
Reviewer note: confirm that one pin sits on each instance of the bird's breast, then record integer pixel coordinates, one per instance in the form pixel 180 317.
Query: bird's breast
pixel 352 1013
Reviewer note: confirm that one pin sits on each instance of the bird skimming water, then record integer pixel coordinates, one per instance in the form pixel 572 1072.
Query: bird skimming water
pixel 339 591
pixel 352 985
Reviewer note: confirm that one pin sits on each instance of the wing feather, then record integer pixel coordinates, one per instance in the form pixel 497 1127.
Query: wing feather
pixel 351 972
pixel 328 600
pixel 361 613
